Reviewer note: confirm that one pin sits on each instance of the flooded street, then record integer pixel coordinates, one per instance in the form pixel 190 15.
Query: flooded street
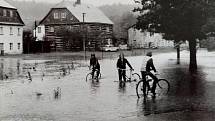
pixel 56 90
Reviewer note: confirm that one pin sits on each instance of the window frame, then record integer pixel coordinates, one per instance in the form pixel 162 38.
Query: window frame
pixel 19 31
pixel 18 46
pixel 11 46
pixel 39 30
pixel 56 15
pixel 1 30
pixel 11 30
pixel 11 13
pixel 51 29
pixel 4 12
pixel 63 15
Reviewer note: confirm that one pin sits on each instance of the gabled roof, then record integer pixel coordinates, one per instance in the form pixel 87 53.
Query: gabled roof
pixel 92 14
pixel 6 4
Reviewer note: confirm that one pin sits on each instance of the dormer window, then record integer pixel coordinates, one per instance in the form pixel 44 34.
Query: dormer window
pixel 56 16
pixel 11 13
pixel 4 12
pixel 63 15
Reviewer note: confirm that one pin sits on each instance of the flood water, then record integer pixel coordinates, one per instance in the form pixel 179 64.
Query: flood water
pixel 28 91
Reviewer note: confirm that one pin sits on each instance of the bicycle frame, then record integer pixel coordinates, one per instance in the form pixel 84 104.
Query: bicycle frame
pixel 131 73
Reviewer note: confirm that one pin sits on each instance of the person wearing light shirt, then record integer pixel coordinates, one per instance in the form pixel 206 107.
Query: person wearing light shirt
pixel 146 67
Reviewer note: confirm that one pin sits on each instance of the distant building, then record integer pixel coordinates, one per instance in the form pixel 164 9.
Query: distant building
pixel 139 39
pixel 91 28
pixel 39 33
pixel 11 29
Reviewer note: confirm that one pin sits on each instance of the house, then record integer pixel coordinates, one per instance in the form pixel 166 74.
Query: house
pixel 76 26
pixel 139 39
pixel 39 33
pixel 11 29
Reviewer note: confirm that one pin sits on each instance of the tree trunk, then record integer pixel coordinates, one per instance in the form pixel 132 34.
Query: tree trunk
pixel 178 54
pixel 193 61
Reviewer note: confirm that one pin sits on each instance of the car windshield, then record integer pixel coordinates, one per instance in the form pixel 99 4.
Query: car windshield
pixel 108 45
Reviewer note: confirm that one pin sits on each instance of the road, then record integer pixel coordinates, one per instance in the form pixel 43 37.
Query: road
pixel 191 96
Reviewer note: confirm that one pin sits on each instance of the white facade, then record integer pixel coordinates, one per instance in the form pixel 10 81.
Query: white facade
pixel 11 39
pixel 138 39
pixel 40 33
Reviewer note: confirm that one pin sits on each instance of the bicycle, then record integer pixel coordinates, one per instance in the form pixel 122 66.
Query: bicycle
pixel 144 86
pixel 92 77
pixel 133 77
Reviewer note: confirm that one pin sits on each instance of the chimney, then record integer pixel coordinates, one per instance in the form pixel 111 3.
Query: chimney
pixel 78 2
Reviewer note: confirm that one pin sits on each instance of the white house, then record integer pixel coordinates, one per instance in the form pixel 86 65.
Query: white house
pixel 139 39
pixel 11 29
pixel 39 33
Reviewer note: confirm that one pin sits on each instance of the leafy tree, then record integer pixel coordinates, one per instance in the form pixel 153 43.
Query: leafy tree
pixel 177 20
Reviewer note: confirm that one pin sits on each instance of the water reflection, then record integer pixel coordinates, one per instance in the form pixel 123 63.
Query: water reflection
pixel 187 93
pixel 94 85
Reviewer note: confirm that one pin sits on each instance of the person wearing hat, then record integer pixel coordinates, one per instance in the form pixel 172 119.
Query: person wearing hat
pixel 94 64
pixel 147 66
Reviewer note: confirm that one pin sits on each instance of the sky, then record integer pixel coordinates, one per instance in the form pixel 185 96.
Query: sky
pixel 93 2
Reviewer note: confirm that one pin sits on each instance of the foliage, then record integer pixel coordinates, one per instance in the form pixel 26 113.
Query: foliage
pixel 176 19
pixel 122 17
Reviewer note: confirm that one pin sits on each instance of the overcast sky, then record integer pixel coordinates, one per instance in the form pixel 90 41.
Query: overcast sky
pixel 93 2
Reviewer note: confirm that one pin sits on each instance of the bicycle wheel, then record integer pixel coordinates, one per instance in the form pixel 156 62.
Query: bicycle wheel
pixel 163 87
pixel 89 77
pixel 135 77
pixel 141 89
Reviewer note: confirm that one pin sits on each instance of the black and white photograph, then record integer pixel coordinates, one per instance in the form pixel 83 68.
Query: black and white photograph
pixel 107 60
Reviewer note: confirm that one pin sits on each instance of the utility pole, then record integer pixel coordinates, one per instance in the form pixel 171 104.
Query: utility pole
pixel 84 39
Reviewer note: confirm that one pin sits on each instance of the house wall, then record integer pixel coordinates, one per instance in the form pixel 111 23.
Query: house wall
pixel 39 34
pixel 7 37
pixel 138 39
pixel 94 34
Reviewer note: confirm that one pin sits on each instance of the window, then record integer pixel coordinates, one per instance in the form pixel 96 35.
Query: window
pixel 18 45
pixel 56 15
pixel 11 13
pixel 107 29
pixel 11 30
pixel 4 12
pixel 19 33
pixel 11 46
pixel 1 31
pixel 51 29
pixel 39 30
pixel 1 46
pixel 63 15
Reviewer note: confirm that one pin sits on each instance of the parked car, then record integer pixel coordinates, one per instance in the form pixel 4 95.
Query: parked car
pixel 109 48
pixel 123 47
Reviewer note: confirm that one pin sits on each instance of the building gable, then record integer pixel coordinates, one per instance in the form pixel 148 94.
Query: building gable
pixel 59 16
pixel 9 14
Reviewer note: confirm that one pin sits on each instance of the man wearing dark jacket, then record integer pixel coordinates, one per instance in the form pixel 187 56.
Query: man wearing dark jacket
pixel 147 66
pixel 94 64
pixel 121 66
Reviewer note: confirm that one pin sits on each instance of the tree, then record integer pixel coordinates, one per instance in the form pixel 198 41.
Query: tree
pixel 178 20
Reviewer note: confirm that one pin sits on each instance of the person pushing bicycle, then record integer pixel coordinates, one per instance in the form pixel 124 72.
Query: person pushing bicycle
pixel 94 65
pixel 121 66
pixel 147 66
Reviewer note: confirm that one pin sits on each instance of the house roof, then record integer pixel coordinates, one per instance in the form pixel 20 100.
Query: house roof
pixel 92 14
pixel 6 4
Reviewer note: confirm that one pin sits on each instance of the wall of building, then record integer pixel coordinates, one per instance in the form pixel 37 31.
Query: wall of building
pixel 40 33
pixel 138 39
pixel 11 41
